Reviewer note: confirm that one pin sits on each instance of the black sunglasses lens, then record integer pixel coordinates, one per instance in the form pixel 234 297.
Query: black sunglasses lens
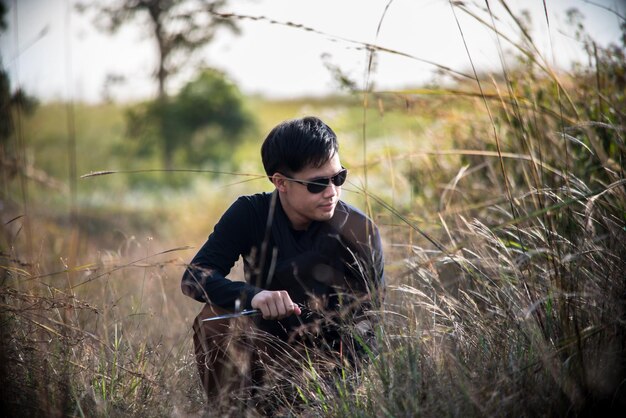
pixel 318 185
pixel 340 178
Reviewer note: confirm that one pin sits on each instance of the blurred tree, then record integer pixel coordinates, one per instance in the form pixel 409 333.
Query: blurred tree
pixel 201 123
pixel 10 102
pixel 179 27
pixel 12 164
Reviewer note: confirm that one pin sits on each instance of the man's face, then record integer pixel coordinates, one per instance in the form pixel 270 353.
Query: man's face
pixel 301 206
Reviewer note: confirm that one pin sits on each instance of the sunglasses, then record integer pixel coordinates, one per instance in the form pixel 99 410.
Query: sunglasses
pixel 319 184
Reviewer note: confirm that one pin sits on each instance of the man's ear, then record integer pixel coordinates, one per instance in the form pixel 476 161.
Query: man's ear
pixel 280 182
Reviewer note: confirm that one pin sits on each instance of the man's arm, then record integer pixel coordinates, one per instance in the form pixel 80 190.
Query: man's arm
pixel 207 285
pixel 205 278
pixel 360 237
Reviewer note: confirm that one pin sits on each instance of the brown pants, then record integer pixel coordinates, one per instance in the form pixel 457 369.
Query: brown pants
pixel 235 359
pixel 225 353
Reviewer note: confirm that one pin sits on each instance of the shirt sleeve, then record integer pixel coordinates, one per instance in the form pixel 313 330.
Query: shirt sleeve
pixel 361 238
pixel 378 265
pixel 205 278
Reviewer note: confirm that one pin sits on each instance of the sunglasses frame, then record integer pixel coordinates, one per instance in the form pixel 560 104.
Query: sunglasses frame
pixel 323 182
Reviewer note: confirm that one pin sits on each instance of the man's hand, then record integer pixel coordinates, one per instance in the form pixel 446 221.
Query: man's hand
pixel 274 304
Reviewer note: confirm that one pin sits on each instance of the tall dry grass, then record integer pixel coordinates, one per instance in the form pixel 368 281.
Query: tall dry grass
pixel 512 301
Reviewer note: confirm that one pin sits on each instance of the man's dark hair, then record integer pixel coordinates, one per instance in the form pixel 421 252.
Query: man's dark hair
pixel 296 144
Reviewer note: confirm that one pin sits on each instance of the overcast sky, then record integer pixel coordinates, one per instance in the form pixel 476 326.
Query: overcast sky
pixel 54 52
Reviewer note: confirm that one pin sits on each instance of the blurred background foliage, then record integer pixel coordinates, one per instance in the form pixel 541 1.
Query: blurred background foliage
pixel 199 127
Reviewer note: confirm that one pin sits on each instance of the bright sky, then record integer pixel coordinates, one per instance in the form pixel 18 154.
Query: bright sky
pixel 54 52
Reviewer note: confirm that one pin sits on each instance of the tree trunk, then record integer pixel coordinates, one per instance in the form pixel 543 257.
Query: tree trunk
pixel 155 14
pixel 168 152
pixel 163 51
pixel 168 159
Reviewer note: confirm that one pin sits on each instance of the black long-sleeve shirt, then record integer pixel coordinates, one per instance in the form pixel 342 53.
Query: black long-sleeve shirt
pixel 329 266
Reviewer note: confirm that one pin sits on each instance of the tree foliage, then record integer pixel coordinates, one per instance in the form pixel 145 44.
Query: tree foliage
pixel 200 124
pixel 10 101
pixel 179 27
pixel 190 121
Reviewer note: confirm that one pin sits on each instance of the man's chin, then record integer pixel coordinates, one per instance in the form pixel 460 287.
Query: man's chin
pixel 326 215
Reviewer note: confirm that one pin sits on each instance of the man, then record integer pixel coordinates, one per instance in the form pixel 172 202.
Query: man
pixel 313 264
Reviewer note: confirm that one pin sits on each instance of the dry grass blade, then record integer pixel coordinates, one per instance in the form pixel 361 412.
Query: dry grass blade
pixel 511 98
pixel 174 170
pixel 129 264
pixel 365 45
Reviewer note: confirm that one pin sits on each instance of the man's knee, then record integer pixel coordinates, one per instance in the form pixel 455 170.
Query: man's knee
pixel 223 350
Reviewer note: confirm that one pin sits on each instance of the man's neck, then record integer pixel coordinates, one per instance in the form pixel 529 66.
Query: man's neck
pixel 298 223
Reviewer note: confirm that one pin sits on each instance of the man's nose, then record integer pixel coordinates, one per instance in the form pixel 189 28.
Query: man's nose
pixel 331 190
